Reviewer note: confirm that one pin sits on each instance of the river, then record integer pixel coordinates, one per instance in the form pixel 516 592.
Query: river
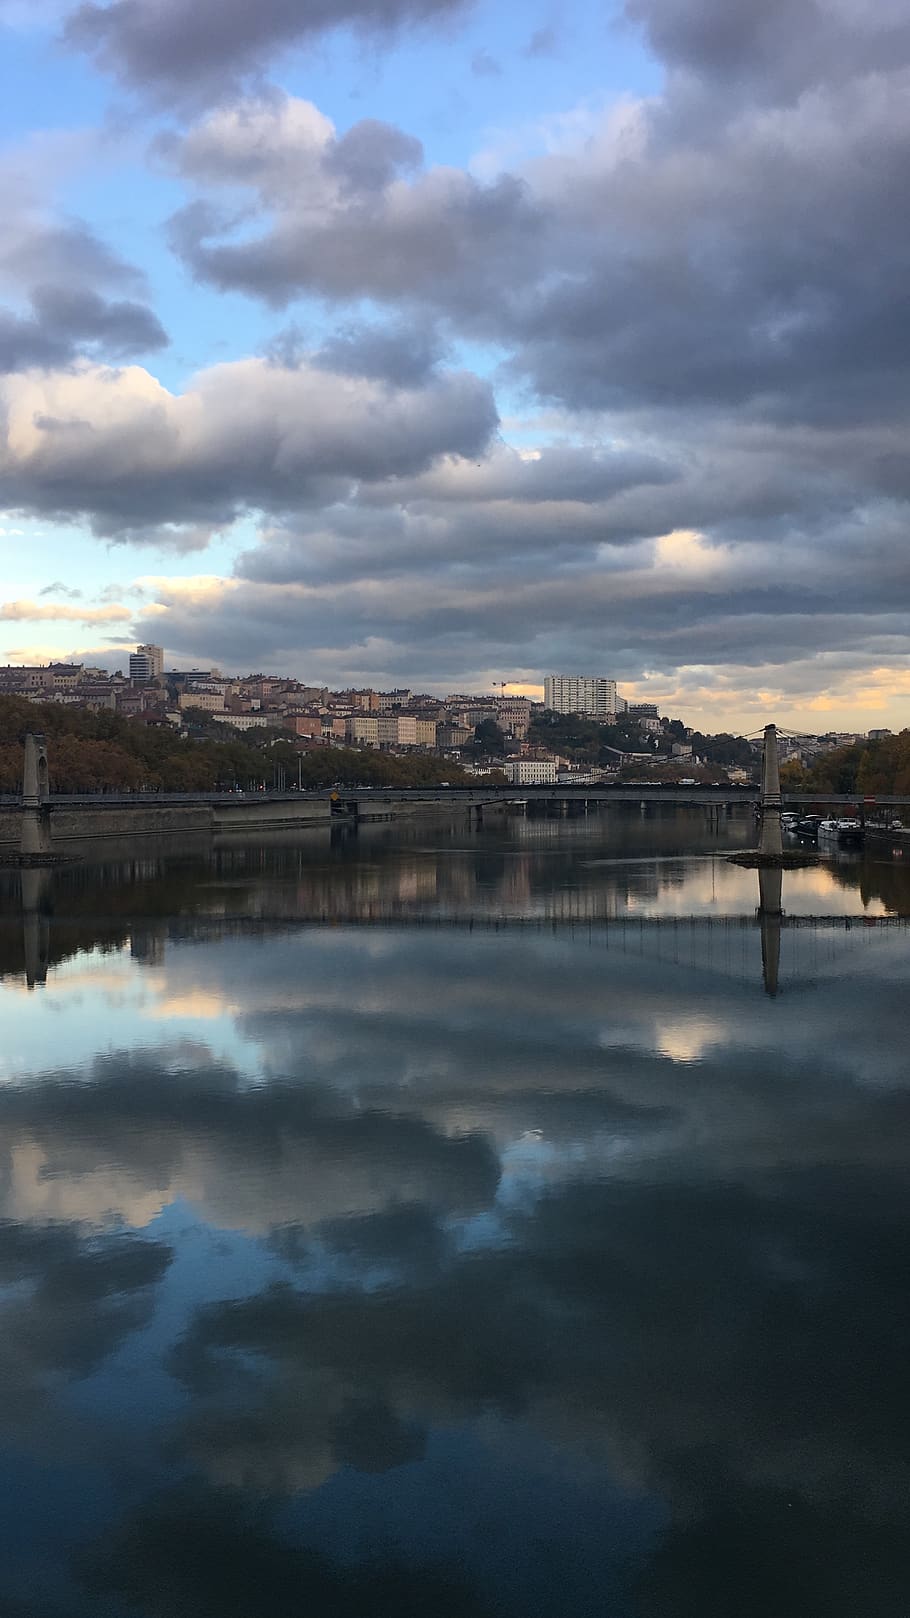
pixel 454 1220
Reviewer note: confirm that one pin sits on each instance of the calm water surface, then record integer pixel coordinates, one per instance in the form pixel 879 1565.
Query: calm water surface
pixel 455 1221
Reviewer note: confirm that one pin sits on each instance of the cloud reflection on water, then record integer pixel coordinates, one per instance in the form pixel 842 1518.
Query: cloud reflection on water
pixel 384 1208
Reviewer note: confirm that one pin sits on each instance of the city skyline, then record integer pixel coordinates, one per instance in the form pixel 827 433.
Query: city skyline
pixel 453 343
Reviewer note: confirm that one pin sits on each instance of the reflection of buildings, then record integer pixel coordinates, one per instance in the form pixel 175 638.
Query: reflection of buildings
pixel 147 943
pixel 672 906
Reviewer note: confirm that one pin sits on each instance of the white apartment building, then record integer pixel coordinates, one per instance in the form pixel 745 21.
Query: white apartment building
pixel 586 694
pixel 146 663
pixel 240 721
pixel 531 772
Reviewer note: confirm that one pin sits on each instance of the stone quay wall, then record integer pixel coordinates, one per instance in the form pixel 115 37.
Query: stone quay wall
pixel 90 822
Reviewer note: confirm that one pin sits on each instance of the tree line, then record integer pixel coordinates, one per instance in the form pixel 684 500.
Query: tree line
pixel 590 741
pixel 98 752
pixel 867 769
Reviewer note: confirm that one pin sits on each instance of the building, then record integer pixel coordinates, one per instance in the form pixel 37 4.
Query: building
pixel 397 730
pixel 388 700
pixel 146 663
pixel 305 724
pixel 207 701
pixel 363 729
pixel 360 701
pixel 132 700
pixel 531 772
pixel 241 721
pixel 590 695
pixel 514 714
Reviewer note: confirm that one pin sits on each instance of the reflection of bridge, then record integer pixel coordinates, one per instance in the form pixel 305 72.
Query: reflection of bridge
pixel 721 944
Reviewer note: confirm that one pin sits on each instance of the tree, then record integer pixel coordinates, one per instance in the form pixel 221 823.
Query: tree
pixel 489 738
pixel 794 777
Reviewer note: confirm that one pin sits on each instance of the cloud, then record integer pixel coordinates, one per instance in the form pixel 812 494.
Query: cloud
pixel 706 282
pixel 402 355
pixel 534 559
pixel 115 447
pixel 60 277
pixel 64 322
pixel 750 307
pixel 58 588
pixel 440 236
pixel 14 612
pixel 543 42
pixel 778 51
pixel 699 293
pixel 690 253
pixel 163 48
pixel 485 66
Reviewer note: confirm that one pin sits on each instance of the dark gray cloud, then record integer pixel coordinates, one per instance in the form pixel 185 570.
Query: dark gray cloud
pixel 61 276
pixel 119 450
pixel 447 238
pixel 541 561
pixel 66 322
pixel 747 263
pixel 164 48
pixel 402 355
pixel 779 49
pixel 710 283
pixel 64 251
pixel 706 298
pixel 371 155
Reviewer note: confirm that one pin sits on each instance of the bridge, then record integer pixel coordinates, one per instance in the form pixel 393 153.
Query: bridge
pixel 39 819
pixel 475 796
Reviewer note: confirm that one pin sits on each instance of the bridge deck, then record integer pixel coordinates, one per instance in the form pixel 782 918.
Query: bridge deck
pixel 477 796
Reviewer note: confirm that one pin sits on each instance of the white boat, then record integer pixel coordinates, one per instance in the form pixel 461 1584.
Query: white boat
pixel 828 828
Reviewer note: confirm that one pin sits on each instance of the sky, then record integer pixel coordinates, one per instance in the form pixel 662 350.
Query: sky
pixel 436 343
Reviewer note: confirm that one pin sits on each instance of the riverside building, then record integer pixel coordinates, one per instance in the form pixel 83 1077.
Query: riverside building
pixel 590 695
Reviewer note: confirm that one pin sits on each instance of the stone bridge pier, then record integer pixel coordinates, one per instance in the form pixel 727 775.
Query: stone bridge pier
pixel 770 841
pixel 35 842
